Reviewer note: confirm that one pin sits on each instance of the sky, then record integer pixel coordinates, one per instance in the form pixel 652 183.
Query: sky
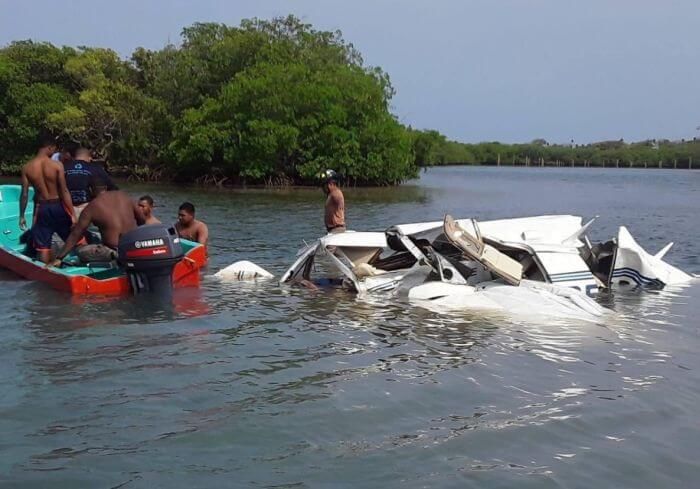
pixel 475 70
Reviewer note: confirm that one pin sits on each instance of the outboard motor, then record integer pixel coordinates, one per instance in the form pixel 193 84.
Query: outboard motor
pixel 149 254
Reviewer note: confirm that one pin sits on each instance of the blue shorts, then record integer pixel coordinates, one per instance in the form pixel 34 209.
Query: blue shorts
pixel 51 217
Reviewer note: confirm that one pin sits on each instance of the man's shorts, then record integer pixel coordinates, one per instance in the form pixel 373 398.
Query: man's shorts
pixel 51 217
pixel 336 229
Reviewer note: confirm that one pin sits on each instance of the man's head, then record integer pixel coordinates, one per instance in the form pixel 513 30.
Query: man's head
pixel 47 145
pixel 65 157
pixel 70 147
pixel 185 214
pixel 83 154
pixel 329 180
pixel 97 185
pixel 146 205
pixel 67 153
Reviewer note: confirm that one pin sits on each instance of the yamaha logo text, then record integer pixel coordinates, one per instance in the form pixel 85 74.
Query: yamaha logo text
pixel 149 243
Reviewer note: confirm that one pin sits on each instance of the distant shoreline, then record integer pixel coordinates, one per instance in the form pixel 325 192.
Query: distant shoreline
pixel 647 166
pixel 124 180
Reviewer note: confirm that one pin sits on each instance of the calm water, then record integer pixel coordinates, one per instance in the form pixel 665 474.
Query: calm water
pixel 243 385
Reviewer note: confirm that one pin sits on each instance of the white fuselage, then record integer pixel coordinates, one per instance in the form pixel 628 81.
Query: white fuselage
pixel 532 265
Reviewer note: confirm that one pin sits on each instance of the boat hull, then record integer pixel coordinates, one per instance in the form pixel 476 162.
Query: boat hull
pixel 185 273
pixel 77 280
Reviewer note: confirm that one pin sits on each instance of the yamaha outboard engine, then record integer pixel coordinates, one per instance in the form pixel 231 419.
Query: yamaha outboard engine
pixel 149 253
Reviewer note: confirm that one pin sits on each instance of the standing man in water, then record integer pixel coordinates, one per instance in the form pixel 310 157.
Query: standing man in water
pixel 190 228
pixel 334 218
pixel 53 211
pixel 146 206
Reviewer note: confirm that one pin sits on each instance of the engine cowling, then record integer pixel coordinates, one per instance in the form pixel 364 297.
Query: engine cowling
pixel 149 254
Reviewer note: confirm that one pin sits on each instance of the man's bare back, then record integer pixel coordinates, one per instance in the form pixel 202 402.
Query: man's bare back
pixel 113 212
pixel 42 173
pixel 48 180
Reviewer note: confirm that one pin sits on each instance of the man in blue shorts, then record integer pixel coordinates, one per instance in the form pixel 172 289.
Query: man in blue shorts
pixel 53 212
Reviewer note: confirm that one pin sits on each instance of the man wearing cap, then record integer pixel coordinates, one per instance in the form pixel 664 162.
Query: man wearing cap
pixel 335 203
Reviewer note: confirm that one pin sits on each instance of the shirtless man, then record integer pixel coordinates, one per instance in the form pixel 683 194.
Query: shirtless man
pixel 53 210
pixel 114 214
pixel 146 206
pixel 190 228
pixel 334 217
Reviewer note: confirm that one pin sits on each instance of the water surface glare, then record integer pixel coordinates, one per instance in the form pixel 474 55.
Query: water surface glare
pixel 254 385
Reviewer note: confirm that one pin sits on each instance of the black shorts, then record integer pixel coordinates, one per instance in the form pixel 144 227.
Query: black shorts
pixel 336 229
pixel 51 217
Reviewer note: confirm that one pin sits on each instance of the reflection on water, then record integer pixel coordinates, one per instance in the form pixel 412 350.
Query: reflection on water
pixel 252 384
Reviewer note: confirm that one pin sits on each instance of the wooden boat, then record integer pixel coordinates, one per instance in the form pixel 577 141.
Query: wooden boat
pixel 78 280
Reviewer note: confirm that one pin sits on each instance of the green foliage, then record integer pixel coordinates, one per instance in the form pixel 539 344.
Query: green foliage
pixel 32 85
pixel 39 62
pixel 25 109
pixel 265 101
pixel 96 67
pixel 664 154
pixel 293 120
pixel 268 101
pixel 426 145
pixel 114 119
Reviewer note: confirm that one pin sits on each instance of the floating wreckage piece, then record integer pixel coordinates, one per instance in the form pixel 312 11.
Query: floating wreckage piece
pixel 243 270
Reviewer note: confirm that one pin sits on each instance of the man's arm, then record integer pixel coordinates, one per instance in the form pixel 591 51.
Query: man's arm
pixel 75 235
pixel 63 191
pixel 24 196
pixel 202 234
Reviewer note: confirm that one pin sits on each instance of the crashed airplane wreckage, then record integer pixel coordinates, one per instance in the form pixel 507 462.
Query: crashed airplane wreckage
pixel 543 265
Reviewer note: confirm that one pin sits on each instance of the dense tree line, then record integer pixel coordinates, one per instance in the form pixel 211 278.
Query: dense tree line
pixel 265 102
pixel 271 102
pixel 432 148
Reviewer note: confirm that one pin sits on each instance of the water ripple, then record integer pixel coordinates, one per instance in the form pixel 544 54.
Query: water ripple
pixel 271 386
